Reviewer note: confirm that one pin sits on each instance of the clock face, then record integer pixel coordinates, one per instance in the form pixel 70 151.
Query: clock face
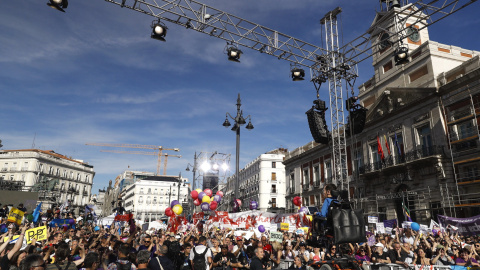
pixel 413 34
pixel 384 42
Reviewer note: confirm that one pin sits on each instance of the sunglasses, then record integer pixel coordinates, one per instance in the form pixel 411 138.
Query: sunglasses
pixel 44 265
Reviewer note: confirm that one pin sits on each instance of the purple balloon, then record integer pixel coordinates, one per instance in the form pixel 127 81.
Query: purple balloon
pixel 205 206
pixel 217 198
pixel 200 195
pixel 303 209
pixel 261 228
pixel 435 232
pixel 71 221
pixel 174 202
pixel 253 205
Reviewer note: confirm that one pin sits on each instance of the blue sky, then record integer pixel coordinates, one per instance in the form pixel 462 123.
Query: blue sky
pixel 93 74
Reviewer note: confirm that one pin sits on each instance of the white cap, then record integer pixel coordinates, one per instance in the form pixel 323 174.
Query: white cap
pixel 379 245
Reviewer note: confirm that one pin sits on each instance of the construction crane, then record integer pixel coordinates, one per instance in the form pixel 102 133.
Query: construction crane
pixel 158 152
pixel 336 63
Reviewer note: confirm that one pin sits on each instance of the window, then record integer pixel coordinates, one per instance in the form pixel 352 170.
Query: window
pixel 382 214
pixel 274 164
pixel 328 171
pixel 274 176
pixel 23 177
pixel 58 172
pixel 397 150
pixel 140 199
pixel 418 73
pixel 358 159
pixel 148 200
pixel 316 175
pixel 274 188
pixel 387 66
pixel 50 170
pixel 155 191
pixel 141 190
pixel 274 202
pixel 78 176
pixel 424 137
pixel 154 200
pixel 306 178
pixel 149 191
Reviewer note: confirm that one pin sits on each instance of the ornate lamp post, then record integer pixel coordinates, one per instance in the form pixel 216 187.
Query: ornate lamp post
pixel 239 121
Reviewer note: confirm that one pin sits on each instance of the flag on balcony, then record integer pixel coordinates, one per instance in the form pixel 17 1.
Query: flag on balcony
pixel 406 212
pixel 398 145
pixel 379 149
pixel 386 145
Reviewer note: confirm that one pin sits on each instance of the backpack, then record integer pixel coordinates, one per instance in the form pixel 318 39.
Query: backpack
pixel 66 267
pixel 126 266
pixel 199 262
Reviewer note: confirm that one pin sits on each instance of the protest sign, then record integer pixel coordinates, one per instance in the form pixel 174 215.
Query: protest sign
pixel 125 217
pixel 15 216
pixel 39 233
pixel 300 232
pixel 380 227
pixel 372 219
pixel 284 226
pixel 465 226
pixel 276 236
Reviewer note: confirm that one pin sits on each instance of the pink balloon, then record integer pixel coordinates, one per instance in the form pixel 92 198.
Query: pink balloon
pixel 220 193
pixel 208 192
pixel 194 194
pixel 239 202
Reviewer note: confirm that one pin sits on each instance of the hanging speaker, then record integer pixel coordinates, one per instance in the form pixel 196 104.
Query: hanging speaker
pixel 318 126
pixel 357 119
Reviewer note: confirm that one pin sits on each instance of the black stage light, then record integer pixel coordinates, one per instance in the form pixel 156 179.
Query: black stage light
pixel 298 74
pixel 401 56
pixel 58 4
pixel 234 54
pixel 159 31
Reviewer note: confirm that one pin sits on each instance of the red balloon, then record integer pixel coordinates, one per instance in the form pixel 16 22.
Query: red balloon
pixel 297 201
pixel 197 202
pixel 168 211
pixel 213 205
pixel 239 202
pixel 194 194
pixel 220 193
pixel 208 192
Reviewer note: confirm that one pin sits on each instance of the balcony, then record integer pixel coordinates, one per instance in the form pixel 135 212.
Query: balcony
pixel 85 193
pixel 305 187
pixel 291 190
pixel 4 169
pixel 24 169
pixel 412 156
pixel 13 169
pixel 316 183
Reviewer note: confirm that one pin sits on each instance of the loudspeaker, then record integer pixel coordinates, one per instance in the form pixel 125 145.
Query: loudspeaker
pixel 318 126
pixel 357 119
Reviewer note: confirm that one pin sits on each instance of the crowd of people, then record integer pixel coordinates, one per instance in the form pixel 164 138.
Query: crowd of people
pixel 84 245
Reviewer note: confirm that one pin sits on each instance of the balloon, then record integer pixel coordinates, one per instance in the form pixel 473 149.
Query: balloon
pixel 261 228
pixel 239 202
pixel 213 205
pixel 71 221
pixel 220 193
pixel 297 201
pixel 30 217
pixel 173 203
pixel 201 195
pixel 303 209
pixel 177 209
pixel 434 231
pixel 65 227
pixel 168 211
pixel 206 199
pixel 198 190
pixel 415 226
pixel 205 206
pixel 197 202
pixel 194 194
pixel 96 228
pixel 208 192
pixel 253 205
pixel 217 198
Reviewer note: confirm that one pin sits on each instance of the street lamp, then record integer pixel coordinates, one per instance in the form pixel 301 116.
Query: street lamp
pixel 239 120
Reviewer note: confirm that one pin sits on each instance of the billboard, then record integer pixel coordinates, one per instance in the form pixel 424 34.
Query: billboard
pixel 29 199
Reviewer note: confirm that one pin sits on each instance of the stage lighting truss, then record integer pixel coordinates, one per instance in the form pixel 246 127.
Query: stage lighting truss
pixel 159 30
pixel 59 5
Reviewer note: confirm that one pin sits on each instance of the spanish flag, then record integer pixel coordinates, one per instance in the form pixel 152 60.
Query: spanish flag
pixel 15 216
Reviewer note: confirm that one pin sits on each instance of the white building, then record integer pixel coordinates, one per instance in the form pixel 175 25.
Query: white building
pixel 262 180
pixel 147 198
pixel 57 177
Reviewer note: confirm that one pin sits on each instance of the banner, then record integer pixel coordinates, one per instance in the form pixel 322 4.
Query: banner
pixel 39 233
pixel 276 236
pixel 60 222
pixel 284 226
pixel 390 223
pixel 466 226
pixel 15 216
pixel 125 217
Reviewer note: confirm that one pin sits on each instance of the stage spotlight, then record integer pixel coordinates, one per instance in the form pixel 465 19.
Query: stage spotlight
pixel 159 31
pixel 225 166
pixel 401 55
pixel 58 4
pixel 205 166
pixel 298 74
pixel 234 54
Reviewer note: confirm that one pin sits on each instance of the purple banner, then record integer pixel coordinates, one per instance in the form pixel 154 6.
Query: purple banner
pixel 466 226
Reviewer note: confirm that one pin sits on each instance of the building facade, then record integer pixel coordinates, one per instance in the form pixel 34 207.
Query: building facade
pixel 148 198
pixel 420 135
pixel 56 177
pixel 262 180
